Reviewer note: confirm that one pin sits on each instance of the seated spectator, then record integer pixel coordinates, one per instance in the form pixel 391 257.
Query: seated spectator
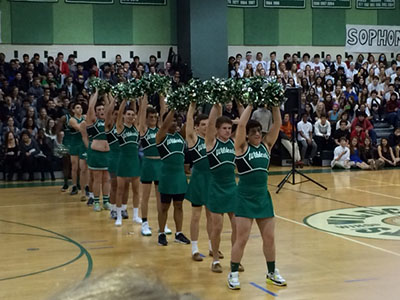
pixel 9 108
pixel 286 139
pixel 152 63
pixel 230 112
pixel 343 131
pixel 375 106
pixel 341 156
pixel 368 154
pixel 29 150
pixel 11 155
pixel 305 137
pixel 376 86
pixel 43 118
pixel 30 126
pixel 70 87
pixel 322 134
pixel 385 153
pixel 319 111
pixel 355 155
pixel 51 129
pixel 358 133
pixel 36 88
pixel 333 115
pixel 365 124
pixel 45 157
pixel 392 110
pixel 349 92
pixel 264 116
pixel 10 128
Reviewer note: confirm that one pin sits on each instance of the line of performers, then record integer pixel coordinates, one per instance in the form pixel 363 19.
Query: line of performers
pixel 104 147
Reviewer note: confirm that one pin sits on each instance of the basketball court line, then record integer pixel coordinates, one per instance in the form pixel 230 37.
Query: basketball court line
pixel 375 181
pixel 341 236
pixel 374 193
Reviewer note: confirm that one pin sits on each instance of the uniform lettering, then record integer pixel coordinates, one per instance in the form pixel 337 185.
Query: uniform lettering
pixel 224 150
pixel 257 154
pixel 174 141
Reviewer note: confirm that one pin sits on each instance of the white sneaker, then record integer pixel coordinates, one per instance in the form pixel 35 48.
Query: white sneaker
pixel 137 220
pixel 167 230
pixel 146 229
pixel 118 222
pixel 233 281
pixel 276 278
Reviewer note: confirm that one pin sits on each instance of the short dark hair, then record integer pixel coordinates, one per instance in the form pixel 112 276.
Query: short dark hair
pixel 200 118
pixel 222 120
pixel 252 124
pixel 343 138
pixel 317 56
pixel 343 122
pixel 75 104
pixel 60 53
pixel 306 55
pixel 166 114
pixel 150 111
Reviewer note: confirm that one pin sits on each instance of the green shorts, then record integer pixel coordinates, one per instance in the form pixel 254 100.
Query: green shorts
pixel 150 170
pixel 98 160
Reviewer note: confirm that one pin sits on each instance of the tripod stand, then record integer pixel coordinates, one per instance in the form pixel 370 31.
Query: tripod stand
pixel 293 171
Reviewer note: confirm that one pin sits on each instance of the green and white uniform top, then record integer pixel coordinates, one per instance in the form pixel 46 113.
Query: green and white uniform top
pixel 172 149
pixel 96 131
pixel 112 139
pixel 129 140
pixel 198 154
pixel 222 156
pixel 148 142
pixel 253 197
pixel 76 136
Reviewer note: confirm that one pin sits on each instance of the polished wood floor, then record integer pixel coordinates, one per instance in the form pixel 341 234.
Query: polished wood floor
pixel 50 240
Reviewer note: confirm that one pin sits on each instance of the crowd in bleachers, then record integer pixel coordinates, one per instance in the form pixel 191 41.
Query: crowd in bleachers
pixel 338 99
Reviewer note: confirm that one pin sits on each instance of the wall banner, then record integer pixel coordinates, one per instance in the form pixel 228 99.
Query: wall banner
pixel 372 38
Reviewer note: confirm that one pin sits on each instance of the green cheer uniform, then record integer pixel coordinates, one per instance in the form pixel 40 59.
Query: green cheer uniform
pixel 172 178
pixel 97 160
pixel 113 158
pixel 197 192
pixel 67 133
pixel 151 167
pixel 222 189
pixel 77 147
pixel 253 198
pixel 128 162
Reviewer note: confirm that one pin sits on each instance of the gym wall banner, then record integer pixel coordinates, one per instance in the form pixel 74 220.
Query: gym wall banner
pixel 372 38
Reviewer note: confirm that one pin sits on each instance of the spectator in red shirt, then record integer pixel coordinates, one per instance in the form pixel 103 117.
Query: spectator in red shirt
pixel 62 65
pixel 366 125
pixel 358 133
pixel 392 110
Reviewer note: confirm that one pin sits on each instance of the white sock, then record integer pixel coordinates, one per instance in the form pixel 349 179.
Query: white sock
pixel 124 206
pixel 216 262
pixel 178 232
pixel 136 212
pixel 113 207
pixel 119 215
pixel 195 248
pixel 91 195
pixel 209 245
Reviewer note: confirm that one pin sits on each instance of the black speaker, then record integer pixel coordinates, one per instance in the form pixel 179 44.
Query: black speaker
pixel 292 104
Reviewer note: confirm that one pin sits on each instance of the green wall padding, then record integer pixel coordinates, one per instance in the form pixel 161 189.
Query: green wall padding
pixel 389 16
pixel 361 16
pixel 295 26
pixel 150 24
pixel 32 23
pixel 70 19
pixel 261 26
pixel 5 22
pixel 328 28
pixel 112 24
pixel 235 26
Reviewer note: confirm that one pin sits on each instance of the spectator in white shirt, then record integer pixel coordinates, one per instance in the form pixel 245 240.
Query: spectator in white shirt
pixel 322 134
pixel 341 155
pixel 397 74
pixel 392 70
pixel 375 86
pixel 351 71
pixel 339 63
pixel 264 116
pixel 317 65
pixel 305 137
pixel 259 60
pixel 398 59
pixel 244 63
pixel 272 57
pixel 236 72
pixel 306 61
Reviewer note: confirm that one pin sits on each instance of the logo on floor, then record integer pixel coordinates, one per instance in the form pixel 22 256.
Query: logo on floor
pixel 376 222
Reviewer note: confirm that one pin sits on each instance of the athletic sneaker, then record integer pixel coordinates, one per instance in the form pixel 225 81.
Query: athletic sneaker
pixel 74 190
pixel 146 229
pixel 167 230
pixel 90 201
pixel 276 278
pixel 220 255
pixel 97 207
pixel 196 257
pixel 124 214
pixel 64 188
pixel 106 205
pixel 137 220
pixel 216 267
pixel 181 238
pixel 113 214
pixel 118 222
pixel 233 281
pixel 162 240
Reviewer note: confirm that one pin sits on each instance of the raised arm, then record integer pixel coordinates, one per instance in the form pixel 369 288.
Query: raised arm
pixel 240 139
pixel 91 114
pixel 109 109
pixel 120 121
pixel 211 131
pixel 191 136
pixel 163 109
pixel 133 106
pixel 273 133
pixel 162 133
pixel 240 107
pixel 142 115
